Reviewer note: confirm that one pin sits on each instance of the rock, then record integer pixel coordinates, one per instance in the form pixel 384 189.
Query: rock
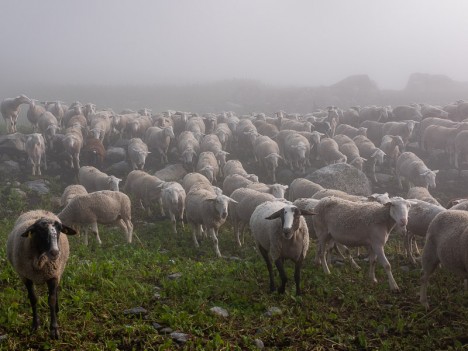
pixel 19 192
pixel 174 276
pixel 220 311
pixel 156 296
pixel 40 186
pixel 180 337
pixel 259 344
pixel 10 167
pixel 16 183
pixel 166 330
pixel 157 326
pixel 273 311
pixel 342 176
pixel 119 169
pixel 136 311
pixel 3 337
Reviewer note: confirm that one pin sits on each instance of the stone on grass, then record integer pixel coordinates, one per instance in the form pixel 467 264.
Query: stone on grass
pixel 136 311
pixel 40 186
pixel 166 330
pixel 174 276
pixel 273 311
pixel 259 344
pixel 220 311
pixel 180 337
pixel 157 326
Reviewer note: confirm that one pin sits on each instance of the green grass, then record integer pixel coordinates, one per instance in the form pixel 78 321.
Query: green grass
pixel 343 311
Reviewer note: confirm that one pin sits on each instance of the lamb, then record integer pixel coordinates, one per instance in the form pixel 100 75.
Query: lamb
pixel 350 130
pixel 328 151
pixel 301 187
pixel 172 173
pixel 93 152
pixel 277 190
pixel 188 148
pixel 70 192
pixel 144 188
pixel 421 193
pixel 93 179
pixel 280 233
pixel 368 150
pixel 158 140
pixel 39 254
pixel 359 224
pixel 137 152
pixel 173 201
pixel 103 207
pixel 415 171
pixel 34 112
pixel 208 166
pixel 10 108
pixel 204 208
pixel 267 154
pixel 35 148
pixel 446 243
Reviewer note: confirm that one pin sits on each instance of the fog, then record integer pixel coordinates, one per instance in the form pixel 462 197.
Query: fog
pixel 292 43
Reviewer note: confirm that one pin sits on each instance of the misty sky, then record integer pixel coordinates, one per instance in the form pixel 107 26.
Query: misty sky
pixel 307 43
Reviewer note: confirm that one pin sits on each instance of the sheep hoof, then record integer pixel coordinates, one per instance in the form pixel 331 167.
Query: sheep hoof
pixel 54 333
pixel 281 290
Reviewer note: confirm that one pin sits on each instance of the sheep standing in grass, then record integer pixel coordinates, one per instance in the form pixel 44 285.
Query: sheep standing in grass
pixel 70 192
pixel 93 179
pixel 369 151
pixel 359 224
pixel 39 254
pixel 35 148
pixel 415 171
pixel 34 112
pixel 103 207
pixel 204 208
pixel 173 201
pixel 10 108
pixel 446 243
pixel 144 188
pixel 280 233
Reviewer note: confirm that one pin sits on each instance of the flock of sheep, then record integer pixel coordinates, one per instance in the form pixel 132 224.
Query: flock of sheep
pixel 198 175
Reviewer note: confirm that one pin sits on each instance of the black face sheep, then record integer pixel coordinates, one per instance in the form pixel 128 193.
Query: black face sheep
pixel 38 253
pixel 280 233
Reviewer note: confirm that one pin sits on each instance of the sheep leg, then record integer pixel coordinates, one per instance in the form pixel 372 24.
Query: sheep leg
pixel 196 229
pixel 348 255
pixel 173 221
pixel 379 251
pixel 430 262
pixel 52 284
pixel 372 259
pixel 121 223
pixel 279 263
pixel 322 254
pixel 33 300
pixel 94 228
pixel 213 233
pixel 161 207
pixel 409 247
pixel 416 248
pixel 266 257
pixel 297 275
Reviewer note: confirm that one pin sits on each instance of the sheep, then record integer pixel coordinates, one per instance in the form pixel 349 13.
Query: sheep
pixel 350 117
pixel 415 171
pixel 267 154
pixel 188 148
pixel 204 208
pixel 93 179
pixel 403 129
pixel 265 128
pixel 120 122
pixel 196 126
pixel 138 126
pixel 435 122
pixel 72 144
pixel 34 112
pixel 373 113
pixel 191 179
pixel 158 140
pixel 48 126
pixel 115 154
pixel 296 151
pixel 433 111
pixel 208 166
pixel 39 254
pixel 350 130
pixel 224 134
pixel 93 152
pixel 446 243
pixel 58 110
pixel 438 137
pixel 277 190
pixel 35 148
pixel 245 133
pixel 368 150
pixel 460 148
pixel 374 131
pixel 75 109
pixel 137 152
pixel 280 233
pixel 422 194
pixel 337 193
pixel 10 108
pixel 359 224
pixel 301 187
pixel 144 188
pixel 405 112
pixel 211 143
pixel 328 151
pixel 103 207
pixel 210 123
pixel 348 147
pixel 171 173
pixel 70 192
pixel 233 182
pixel 392 145
pixel 173 201
pixel 235 167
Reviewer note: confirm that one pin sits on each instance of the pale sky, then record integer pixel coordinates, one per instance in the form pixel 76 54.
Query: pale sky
pixel 293 42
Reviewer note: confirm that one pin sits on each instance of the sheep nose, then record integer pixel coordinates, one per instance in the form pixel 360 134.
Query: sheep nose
pixel 403 222
pixel 224 215
pixel 53 254
pixel 286 230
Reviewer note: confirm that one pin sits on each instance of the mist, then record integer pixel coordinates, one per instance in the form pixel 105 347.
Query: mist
pixel 292 43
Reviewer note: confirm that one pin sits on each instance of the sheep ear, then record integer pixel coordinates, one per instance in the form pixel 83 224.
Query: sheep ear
pixel 28 232
pixel 307 213
pixel 276 214
pixel 67 230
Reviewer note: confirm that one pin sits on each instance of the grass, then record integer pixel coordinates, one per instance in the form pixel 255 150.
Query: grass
pixel 343 311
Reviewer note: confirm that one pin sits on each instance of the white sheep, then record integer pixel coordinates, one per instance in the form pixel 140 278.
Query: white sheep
pixel 34 112
pixel 233 182
pixel 10 108
pixel 359 224
pixel 70 192
pixel 144 188
pixel 280 233
pixel 188 148
pixel 48 126
pixel 93 179
pixel 39 254
pixel 421 193
pixel 173 200
pixel 301 187
pixel 267 154
pixel 236 167
pixel 35 148
pixel 204 208
pixel 446 244
pixel 369 151
pixel 137 152
pixel 277 190
pixel 103 207
pixel 328 151
pixel 415 171
pixel 72 144
pixel 208 166
pixel 172 173
pixel 158 140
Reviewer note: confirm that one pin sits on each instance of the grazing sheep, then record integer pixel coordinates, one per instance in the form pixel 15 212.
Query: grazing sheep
pixel 328 151
pixel 359 224
pixel 93 152
pixel 93 179
pixel 204 208
pixel 158 140
pixel 350 131
pixel 266 152
pixel 403 129
pixel 446 243
pixel 235 167
pixel 10 108
pixel 301 187
pixel 70 192
pixel 233 182
pixel 173 201
pixel 137 152
pixel 208 166
pixel 172 173
pixel 368 150
pixel 144 188
pixel 421 193
pixel 280 233
pixel 103 207
pixel 35 148
pixel 39 254
pixel 277 190
pixel 415 171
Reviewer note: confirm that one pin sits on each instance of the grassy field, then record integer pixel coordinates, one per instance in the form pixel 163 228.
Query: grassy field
pixel 343 311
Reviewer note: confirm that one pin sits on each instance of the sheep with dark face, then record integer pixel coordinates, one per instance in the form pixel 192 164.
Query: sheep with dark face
pixel 39 254
pixel 280 233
